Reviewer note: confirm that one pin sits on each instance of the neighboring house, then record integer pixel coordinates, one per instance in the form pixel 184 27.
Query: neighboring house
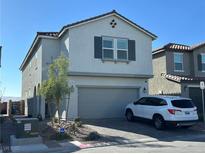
pixel 110 62
pixel 178 70
pixel 11 106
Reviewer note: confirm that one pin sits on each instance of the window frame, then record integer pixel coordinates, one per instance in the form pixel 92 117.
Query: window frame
pixel 182 55
pixel 104 48
pixel 118 49
pixel 114 48
pixel 202 54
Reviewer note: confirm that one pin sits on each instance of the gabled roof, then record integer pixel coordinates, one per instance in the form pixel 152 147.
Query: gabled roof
pixel 197 45
pixel 56 35
pixel 113 12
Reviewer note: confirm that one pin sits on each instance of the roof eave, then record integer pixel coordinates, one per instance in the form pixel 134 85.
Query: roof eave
pixel 36 39
pixel 153 36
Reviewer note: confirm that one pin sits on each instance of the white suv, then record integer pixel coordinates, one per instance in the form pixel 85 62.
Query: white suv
pixel 164 111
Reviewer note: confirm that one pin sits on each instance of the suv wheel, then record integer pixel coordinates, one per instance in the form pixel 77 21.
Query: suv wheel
pixel 129 115
pixel 159 122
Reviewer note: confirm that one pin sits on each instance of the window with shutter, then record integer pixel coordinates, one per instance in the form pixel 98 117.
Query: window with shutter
pixel 178 62
pixel 111 48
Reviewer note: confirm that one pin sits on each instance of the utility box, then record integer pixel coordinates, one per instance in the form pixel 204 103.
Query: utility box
pixel 26 127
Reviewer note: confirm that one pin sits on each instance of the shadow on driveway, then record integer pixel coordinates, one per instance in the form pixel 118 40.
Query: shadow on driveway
pixel 120 130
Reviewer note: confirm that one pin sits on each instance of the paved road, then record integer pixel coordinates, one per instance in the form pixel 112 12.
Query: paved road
pixel 190 143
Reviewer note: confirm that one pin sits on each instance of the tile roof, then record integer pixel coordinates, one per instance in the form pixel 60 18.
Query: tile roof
pixel 179 79
pixel 172 46
pixel 177 46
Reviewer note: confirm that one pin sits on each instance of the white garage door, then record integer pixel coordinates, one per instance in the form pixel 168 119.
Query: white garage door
pixel 96 103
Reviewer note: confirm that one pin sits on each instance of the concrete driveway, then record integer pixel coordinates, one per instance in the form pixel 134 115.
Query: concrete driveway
pixel 122 130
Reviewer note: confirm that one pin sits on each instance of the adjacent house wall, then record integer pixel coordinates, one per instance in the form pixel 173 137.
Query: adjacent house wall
pixel 195 54
pixel 159 84
pixel 186 63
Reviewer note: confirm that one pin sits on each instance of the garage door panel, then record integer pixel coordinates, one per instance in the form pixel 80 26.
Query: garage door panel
pixel 95 103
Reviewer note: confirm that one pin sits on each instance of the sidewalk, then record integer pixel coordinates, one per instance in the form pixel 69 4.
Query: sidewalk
pixel 50 146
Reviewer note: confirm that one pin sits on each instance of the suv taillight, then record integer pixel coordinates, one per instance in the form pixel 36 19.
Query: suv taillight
pixel 172 111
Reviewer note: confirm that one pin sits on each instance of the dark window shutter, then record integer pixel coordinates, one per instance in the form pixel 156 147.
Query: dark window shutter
pixel 199 62
pixel 98 47
pixel 131 50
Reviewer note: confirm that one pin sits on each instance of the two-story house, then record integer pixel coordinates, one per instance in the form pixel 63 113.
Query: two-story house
pixel 110 62
pixel 178 70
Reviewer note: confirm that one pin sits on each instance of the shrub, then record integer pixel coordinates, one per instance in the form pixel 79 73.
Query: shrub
pixel 78 122
pixel 92 136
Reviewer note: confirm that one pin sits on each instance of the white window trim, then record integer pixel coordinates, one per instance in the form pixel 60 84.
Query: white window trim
pixel 122 49
pixel 182 70
pixel 115 49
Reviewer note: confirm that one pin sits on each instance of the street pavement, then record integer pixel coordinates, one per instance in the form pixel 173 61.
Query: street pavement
pixel 122 136
pixel 188 144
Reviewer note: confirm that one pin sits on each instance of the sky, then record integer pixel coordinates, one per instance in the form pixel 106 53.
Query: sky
pixel 179 21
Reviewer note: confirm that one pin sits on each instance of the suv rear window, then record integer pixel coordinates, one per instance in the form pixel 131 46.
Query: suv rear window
pixel 183 103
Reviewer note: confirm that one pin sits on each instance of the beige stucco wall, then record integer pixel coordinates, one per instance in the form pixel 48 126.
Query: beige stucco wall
pixel 158 83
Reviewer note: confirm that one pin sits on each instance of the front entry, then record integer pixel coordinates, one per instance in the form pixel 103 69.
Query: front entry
pixel 195 95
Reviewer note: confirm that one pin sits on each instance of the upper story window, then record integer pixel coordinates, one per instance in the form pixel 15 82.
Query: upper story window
pixel 122 49
pixel 201 62
pixel 178 62
pixel 115 48
pixel 108 48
